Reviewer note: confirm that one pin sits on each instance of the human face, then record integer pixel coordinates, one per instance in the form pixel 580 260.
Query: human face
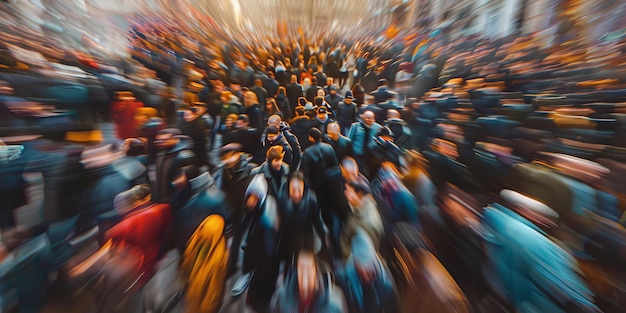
pixel 329 81
pixel 272 137
pixel 165 141
pixel 333 132
pixel 296 189
pixel 368 118
pixel 276 164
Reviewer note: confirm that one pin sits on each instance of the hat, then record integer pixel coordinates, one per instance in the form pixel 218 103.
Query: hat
pixel 309 107
pixel 231 147
pixel 322 109
pixel 332 87
pixel 348 95
pixel 243 117
pixel 272 130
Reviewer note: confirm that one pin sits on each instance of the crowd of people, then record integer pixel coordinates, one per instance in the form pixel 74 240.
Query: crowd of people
pixel 325 175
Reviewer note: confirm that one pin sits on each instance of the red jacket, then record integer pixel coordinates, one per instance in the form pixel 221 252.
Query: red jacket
pixel 145 230
pixel 123 114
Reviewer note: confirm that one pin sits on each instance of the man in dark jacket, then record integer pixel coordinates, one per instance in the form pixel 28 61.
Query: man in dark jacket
pixel 320 76
pixel 399 128
pixel 346 113
pixel 322 119
pixel 294 91
pixel 301 223
pixel 285 130
pixel 341 144
pixel 274 170
pixel 249 138
pixel 383 93
pixel 311 93
pixel 174 167
pixel 333 98
pixel 234 175
pixel 321 169
pixel 300 126
pixel 261 93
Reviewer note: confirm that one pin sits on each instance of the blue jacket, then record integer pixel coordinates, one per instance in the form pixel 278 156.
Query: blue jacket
pixel 357 135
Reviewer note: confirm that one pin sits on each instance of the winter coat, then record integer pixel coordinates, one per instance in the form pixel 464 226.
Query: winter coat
pixel 346 115
pixel 357 135
pixel 342 147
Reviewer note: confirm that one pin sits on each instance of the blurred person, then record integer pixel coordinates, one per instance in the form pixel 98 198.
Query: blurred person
pixel 383 149
pixel 365 280
pixel 383 93
pixel 271 108
pixel 346 112
pixel 308 74
pixel 253 110
pixel 230 104
pixel 261 93
pixel 399 128
pixel 123 111
pixel 202 265
pixel 300 126
pixel 284 106
pixel 228 132
pixel 329 83
pixel 196 126
pixel 322 172
pixel 276 138
pixel 175 164
pixel 148 126
pixel 306 84
pixel 301 224
pixel 333 99
pixel 364 214
pixel 191 93
pixel 312 91
pixel 322 119
pixel 341 144
pixel 359 94
pixel 260 264
pixel 293 91
pixel 306 288
pixel 169 106
pixel 351 174
pixel 285 129
pixel 362 134
pixel 270 84
pixel 332 68
pixel 319 75
pixel 249 138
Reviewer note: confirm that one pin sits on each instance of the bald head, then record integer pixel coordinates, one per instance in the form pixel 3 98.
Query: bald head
pixel 333 130
pixel 393 114
pixel 274 120
pixel 294 78
pixel 368 118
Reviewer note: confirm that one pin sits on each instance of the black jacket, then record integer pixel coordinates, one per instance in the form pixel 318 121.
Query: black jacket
pixel 342 147
pixel 255 116
pixel 261 94
pixel 300 126
pixel 234 181
pixel 346 115
pixel 294 91
pixel 273 185
pixel 298 221
pixel 311 93
pixel 334 101
pixel 318 158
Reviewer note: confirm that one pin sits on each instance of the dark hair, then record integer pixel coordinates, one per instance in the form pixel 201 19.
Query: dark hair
pixel 243 117
pixel 316 134
pixel 272 130
pixel 297 175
